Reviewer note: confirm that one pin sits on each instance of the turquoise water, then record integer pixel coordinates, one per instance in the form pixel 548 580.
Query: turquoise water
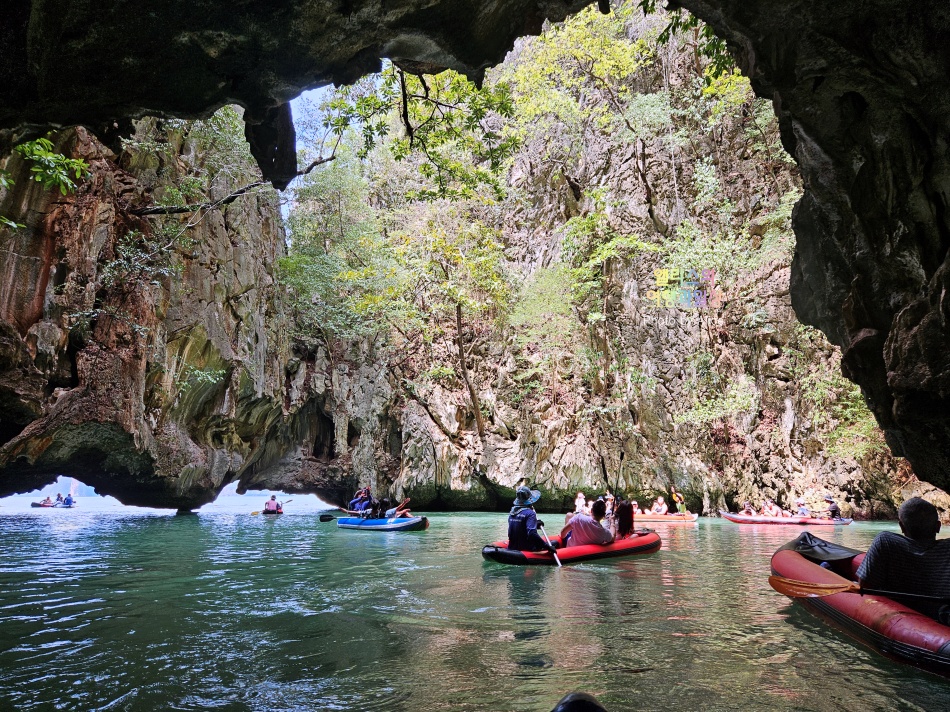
pixel 110 608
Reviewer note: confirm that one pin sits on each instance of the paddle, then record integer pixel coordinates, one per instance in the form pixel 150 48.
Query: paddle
pixel 327 517
pixel 808 589
pixel 548 539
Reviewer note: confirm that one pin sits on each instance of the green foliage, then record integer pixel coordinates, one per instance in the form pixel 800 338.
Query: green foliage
pixel 446 119
pixel 590 242
pixel 554 77
pixel 139 258
pixel 542 314
pixel 193 377
pixel 708 45
pixel 739 398
pixel 51 168
pixel 440 373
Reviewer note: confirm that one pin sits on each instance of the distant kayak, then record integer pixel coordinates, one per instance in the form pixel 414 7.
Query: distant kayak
pixel 801 521
pixel 675 518
pixel 393 524
pixel 272 513
pixel 640 543
pixel 880 622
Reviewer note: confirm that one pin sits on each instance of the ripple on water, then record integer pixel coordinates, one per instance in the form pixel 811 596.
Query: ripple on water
pixel 221 611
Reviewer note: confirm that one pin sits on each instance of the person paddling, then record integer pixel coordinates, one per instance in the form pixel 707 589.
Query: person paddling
pixel 523 523
pixel 833 511
pixel 272 505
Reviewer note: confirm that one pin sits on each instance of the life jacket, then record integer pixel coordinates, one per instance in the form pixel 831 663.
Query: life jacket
pixel 519 538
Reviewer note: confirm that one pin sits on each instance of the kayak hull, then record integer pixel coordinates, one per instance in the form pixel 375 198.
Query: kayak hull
pixel 271 514
pixel 394 524
pixel 641 543
pixel 881 623
pixel 54 505
pixel 801 521
pixel 685 518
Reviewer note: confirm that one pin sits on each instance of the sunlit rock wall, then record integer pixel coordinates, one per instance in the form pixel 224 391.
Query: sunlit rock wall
pixel 159 386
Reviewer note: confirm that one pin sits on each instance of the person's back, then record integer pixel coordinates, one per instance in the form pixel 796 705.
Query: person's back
pixel 272 505
pixel 915 562
pixel 523 523
pixel 68 501
pixel 587 529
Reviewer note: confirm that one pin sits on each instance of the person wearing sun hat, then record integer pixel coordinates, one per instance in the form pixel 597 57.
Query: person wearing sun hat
pixel 523 523
pixel 803 510
pixel 833 511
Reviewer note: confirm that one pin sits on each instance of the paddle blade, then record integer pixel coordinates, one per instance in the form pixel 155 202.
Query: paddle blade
pixel 327 517
pixel 808 589
pixel 254 513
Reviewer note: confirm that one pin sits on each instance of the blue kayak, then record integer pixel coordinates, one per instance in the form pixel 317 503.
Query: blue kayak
pixel 395 524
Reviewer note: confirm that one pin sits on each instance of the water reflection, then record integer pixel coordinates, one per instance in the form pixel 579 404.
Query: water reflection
pixel 226 610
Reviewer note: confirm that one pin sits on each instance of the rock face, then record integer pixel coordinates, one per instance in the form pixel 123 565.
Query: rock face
pixel 863 101
pixel 146 365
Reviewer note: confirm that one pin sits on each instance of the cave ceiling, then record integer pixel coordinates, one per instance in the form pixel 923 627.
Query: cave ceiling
pixel 861 89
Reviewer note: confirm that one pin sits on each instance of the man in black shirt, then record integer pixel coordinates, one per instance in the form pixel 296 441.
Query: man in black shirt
pixel 833 511
pixel 913 563
pixel 523 523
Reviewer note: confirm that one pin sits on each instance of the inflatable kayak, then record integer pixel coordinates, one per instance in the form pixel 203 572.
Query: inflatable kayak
pixel 40 504
pixel 641 542
pixel 394 524
pixel 272 513
pixel 675 518
pixel 802 521
pixel 881 623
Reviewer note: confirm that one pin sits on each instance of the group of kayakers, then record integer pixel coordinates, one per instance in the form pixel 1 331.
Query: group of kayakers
pixel 66 501
pixel 771 509
pixel 365 505
pixel 584 506
pixel 602 521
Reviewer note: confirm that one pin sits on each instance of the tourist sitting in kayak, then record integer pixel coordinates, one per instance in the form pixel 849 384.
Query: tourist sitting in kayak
pixel 59 498
pixel 68 500
pixel 678 500
pixel 523 523
pixel 913 563
pixel 623 520
pixel 636 508
pixel 659 507
pixel 362 501
pixel 272 505
pixel 803 510
pixel 770 509
pixel 48 500
pixel 400 510
pixel 587 528
pixel 748 509
pixel 580 503
pixel 833 511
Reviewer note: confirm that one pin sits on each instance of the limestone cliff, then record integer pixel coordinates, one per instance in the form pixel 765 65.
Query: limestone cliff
pixel 144 358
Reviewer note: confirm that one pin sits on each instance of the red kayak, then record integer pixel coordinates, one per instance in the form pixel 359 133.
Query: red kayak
pixel 761 519
pixel 644 541
pixel 883 624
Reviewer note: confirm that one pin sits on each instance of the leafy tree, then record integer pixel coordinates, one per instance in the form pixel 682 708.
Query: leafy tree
pixel 450 122
pixel 457 268
pixel 51 168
